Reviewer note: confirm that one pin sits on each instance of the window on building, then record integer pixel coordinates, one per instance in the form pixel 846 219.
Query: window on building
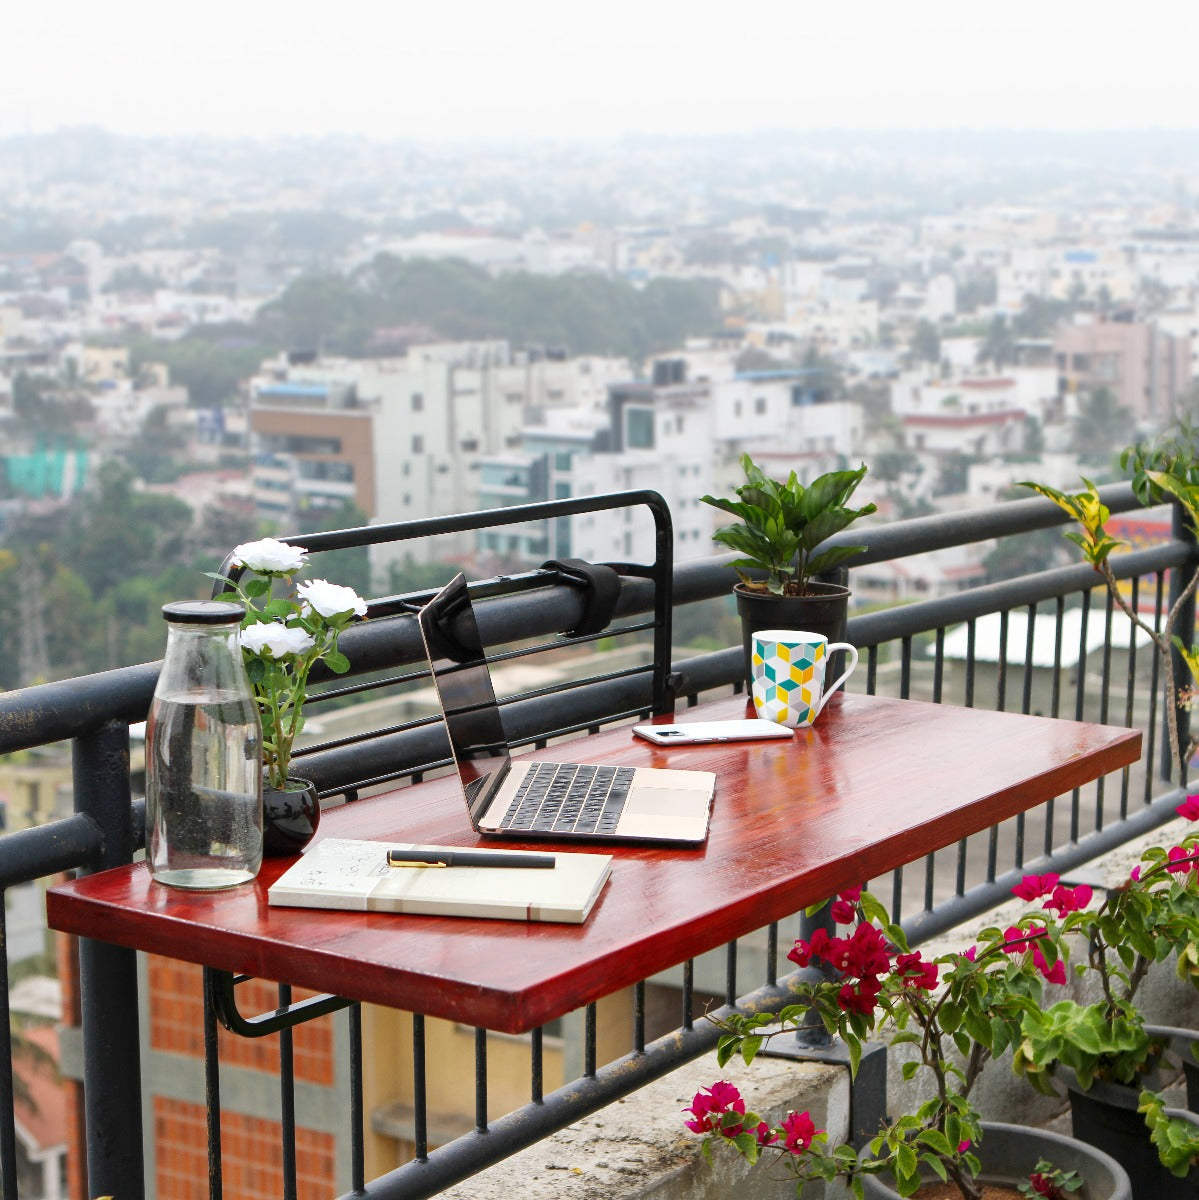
pixel 639 428
pixel 418 402
pixel 294 443
pixel 760 405
pixel 418 444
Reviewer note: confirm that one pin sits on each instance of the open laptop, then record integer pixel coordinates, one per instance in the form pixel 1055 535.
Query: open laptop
pixel 509 797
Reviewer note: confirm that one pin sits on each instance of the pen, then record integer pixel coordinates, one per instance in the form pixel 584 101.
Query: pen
pixel 465 858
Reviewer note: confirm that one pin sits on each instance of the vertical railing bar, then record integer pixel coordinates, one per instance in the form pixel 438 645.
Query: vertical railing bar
pixel 1104 701
pixel 1029 650
pixel 897 892
pixel 688 996
pixel 971 631
pixel 1055 702
pixel 480 1080
pixel 930 871
pixel 589 1037
pixel 1080 674
pixel 420 1084
pixel 639 1017
pixel 730 973
pixel 287 1098
pixel 992 852
pixel 1152 732
pixel 959 883
pixel 772 954
pixel 537 1065
pixel 212 1088
pixel 1001 662
pixel 872 671
pixel 939 665
pixel 357 1114
pixel 8 1128
pixel 905 668
pixel 1129 690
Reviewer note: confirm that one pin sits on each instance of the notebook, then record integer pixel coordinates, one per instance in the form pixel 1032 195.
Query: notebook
pixel 509 797
pixel 345 873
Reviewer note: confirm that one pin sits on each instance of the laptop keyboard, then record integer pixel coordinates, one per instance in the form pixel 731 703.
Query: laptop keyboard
pixel 570 798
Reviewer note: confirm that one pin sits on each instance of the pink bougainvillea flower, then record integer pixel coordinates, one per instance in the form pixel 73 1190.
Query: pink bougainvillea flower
pixel 1181 860
pixel 915 972
pixel 1189 808
pixel 798 1131
pixel 710 1104
pixel 1067 900
pixel 970 953
pixel 860 996
pixel 1135 875
pixel 1033 887
pixel 1042 1185
pixel 818 946
pixel 1054 974
pixel 865 953
pixel 844 911
pixel 964 1146
pixel 765 1134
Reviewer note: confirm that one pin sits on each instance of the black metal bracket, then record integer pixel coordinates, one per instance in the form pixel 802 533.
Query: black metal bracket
pixel 867 1089
pixel 221 984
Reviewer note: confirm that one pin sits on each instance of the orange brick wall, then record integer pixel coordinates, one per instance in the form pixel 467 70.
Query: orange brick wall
pixel 177 1024
pixel 251 1156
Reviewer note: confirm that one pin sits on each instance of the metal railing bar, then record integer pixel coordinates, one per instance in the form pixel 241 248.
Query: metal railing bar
pixel 357 1105
pixel 639 1016
pixel 212 1090
pixel 589 1039
pixel 481 1080
pixel 537 1065
pixel 8 1125
pixel 287 1099
pixel 419 1090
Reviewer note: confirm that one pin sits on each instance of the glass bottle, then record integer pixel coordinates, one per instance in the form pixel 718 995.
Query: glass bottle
pixel 203 754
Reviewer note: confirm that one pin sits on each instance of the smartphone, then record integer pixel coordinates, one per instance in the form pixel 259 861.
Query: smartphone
pixel 690 733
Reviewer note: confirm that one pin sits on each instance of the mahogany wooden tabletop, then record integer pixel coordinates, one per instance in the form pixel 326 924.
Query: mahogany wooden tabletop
pixel 876 783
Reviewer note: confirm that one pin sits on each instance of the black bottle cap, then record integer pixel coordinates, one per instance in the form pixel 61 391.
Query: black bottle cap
pixel 203 612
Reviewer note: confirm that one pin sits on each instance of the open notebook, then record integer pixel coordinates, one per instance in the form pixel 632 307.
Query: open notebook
pixel 350 874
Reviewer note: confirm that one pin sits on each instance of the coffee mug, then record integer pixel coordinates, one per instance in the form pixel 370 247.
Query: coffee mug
pixel 788 674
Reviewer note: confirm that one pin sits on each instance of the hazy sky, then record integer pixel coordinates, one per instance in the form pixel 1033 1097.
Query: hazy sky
pixel 529 68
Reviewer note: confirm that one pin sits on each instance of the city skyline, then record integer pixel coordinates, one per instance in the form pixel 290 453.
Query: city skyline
pixel 532 70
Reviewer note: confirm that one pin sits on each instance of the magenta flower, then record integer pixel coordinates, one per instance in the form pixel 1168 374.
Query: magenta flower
pixel 964 1146
pixel 915 972
pixel 798 1131
pixel 1033 887
pixel 709 1106
pixel 1054 974
pixel 1181 860
pixel 860 996
pixel 765 1134
pixel 1189 808
pixel 1067 900
pixel 970 953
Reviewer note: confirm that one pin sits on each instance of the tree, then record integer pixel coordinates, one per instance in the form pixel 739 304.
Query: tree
pixel 999 346
pixel 1101 427
pixel 926 343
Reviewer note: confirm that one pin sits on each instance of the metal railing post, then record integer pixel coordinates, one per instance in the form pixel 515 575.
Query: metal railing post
pixel 108 982
pixel 1185 630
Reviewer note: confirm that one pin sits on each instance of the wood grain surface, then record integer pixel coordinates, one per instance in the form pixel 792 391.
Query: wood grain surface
pixel 876 783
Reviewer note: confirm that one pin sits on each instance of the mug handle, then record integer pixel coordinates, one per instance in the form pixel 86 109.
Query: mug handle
pixel 832 687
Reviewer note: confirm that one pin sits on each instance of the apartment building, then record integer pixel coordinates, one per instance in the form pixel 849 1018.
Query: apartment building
pixel 1143 365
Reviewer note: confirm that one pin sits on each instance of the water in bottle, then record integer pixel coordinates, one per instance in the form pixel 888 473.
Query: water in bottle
pixel 203 755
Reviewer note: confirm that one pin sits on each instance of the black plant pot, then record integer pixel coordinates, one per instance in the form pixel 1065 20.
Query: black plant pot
pixel 290 817
pixel 823 610
pixel 1009 1154
pixel 1106 1115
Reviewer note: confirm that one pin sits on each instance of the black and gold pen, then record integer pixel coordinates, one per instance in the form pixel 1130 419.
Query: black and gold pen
pixel 466 858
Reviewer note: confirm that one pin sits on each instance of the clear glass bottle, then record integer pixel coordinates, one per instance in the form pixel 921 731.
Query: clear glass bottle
pixel 203 754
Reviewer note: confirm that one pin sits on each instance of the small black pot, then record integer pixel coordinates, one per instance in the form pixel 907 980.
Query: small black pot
pixel 290 817
pixel 823 610
pixel 1009 1154
pixel 1106 1115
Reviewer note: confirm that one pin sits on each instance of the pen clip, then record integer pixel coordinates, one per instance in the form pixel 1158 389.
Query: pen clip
pixel 404 862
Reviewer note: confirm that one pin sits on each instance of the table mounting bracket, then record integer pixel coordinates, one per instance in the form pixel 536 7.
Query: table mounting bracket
pixel 220 987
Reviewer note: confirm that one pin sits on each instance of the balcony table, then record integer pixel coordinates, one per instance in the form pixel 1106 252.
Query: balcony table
pixel 875 784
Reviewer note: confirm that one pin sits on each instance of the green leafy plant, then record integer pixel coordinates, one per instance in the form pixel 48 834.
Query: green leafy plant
pixel 783 524
pixel 284 637
pixel 1049 1182
pixel 1176 1138
pixel 954 1012
pixel 1168 469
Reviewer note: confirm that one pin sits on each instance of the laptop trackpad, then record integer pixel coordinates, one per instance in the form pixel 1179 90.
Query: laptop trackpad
pixel 663 802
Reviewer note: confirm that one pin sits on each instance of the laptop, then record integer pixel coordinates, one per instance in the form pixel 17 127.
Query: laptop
pixel 516 798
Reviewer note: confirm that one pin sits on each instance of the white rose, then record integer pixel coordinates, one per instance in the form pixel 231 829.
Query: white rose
pixel 331 599
pixel 275 639
pixel 269 555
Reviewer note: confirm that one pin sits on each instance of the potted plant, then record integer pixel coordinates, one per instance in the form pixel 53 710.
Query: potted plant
pixel 1169 469
pixel 955 1012
pixel 1103 1052
pixel 781 530
pixel 282 638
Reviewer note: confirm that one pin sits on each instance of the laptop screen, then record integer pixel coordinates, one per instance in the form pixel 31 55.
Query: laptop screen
pixel 463 681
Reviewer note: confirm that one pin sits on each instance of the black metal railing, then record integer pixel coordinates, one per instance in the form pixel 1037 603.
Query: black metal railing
pixel 904 652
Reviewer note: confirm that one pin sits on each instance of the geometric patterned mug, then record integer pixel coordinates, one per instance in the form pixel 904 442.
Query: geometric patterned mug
pixel 788 675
